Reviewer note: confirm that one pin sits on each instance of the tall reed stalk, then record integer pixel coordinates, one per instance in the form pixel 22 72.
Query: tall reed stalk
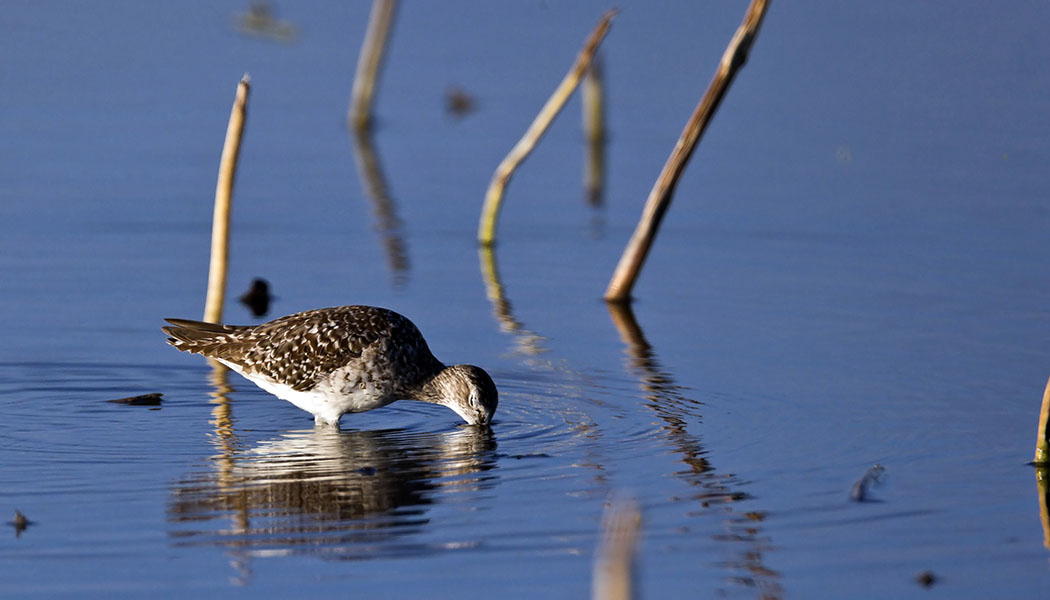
pixel 1042 442
pixel 220 227
pixel 369 62
pixel 630 265
pixel 554 104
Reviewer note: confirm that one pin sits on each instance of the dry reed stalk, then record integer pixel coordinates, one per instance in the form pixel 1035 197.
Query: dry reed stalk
pixel 614 564
pixel 369 62
pixel 630 265
pixel 593 100
pixel 220 226
pixel 494 195
pixel 1042 443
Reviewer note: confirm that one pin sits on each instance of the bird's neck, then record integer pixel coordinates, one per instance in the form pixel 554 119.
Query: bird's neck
pixel 436 389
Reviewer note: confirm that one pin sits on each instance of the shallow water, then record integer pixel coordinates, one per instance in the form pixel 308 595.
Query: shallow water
pixel 853 272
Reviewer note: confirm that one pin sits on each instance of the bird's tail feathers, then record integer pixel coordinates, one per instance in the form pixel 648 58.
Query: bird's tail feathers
pixel 199 337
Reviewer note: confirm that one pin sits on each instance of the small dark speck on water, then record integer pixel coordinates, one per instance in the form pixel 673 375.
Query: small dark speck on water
pixel 530 455
pixel 459 103
pixel 368 471
pixel 20 523
pixel 258 297
pixel 926 579
pixel 153 399
pixel 859 493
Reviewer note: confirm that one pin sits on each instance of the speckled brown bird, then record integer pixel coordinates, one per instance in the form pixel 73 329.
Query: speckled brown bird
pixel 346 359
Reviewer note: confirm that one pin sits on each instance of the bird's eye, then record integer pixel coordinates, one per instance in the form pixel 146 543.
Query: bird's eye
pixel 474 401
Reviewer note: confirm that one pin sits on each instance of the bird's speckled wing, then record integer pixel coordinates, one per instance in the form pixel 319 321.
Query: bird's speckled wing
pixel 300 349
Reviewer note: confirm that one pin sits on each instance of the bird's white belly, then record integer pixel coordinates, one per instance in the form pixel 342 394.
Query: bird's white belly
pixel 330 399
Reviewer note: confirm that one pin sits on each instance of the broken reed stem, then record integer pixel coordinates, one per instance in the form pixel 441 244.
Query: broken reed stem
pixel 369 62
pixel 593 100
pixel 494 195
pixel 630 265
pixel 613 577
pixel 220 226
pixel 1042 443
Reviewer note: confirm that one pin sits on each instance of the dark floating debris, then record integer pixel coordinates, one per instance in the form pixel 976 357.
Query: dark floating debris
pixel 926 579
pixel 20 523
pixel 459 103
pixel 258 298
pixel 859 493
pixel 153 399
pixel 261 20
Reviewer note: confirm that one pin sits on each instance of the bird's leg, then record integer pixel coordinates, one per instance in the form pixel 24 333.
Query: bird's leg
pixel 323 423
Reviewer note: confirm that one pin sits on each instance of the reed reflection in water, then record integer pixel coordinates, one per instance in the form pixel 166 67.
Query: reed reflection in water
pixel 710 493
pixel 373 182
pixel 714 491
pixel 339 494
pixel 527 342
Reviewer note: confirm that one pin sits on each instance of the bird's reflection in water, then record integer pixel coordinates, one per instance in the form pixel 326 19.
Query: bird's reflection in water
pixel 339 494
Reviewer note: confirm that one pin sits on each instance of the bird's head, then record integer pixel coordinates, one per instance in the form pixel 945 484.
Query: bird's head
pixel 470 392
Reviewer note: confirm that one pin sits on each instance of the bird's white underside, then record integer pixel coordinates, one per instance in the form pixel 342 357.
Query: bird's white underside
pixel 326 401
